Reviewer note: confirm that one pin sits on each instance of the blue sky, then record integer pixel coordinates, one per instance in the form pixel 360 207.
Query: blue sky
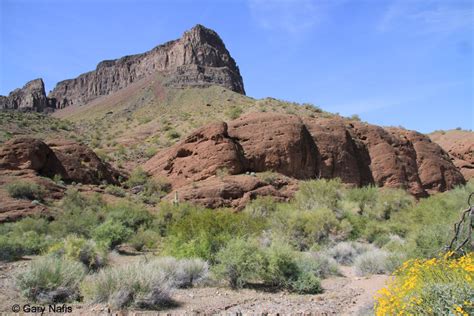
pixel 400 62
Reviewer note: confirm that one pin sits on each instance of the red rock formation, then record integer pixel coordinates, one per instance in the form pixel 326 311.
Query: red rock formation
pixel 435 169
pixel 459 145
pixel 276 142
pixel 356 152
pixel 80 164
pixel 72 161
pixel 199 156
pixel 234 191
pixel 340 155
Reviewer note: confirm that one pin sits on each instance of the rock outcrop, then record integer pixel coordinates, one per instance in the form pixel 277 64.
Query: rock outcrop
pixel 341 155
pixel 199 156
pixel 309 148
pixel 31 97
pixel 459 144
pixel 70 160
pixel 276 142
pixel 198 58
pixel 235 190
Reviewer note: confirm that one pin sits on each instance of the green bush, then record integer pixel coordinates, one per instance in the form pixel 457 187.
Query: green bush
pixel 111 234
pixel 234 112
pixel 10 249
pixel 145 239
pixel 51 280
pixel 131 215
pixel 304 228
pixel 26 190
pixel 240 262
pixel 137 177
pixel 281 266
pixel 202 232
pixel 364 197
pixel 78 215
pixel 306 283
pixel 82 250
pixel 115 190
pixel 321 193
pixel 262 206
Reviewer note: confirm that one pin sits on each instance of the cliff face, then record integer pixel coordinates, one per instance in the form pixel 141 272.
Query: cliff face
pixel 198 58
pixel 31 97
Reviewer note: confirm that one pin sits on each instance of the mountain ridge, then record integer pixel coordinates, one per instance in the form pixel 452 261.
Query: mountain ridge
pixel 198 59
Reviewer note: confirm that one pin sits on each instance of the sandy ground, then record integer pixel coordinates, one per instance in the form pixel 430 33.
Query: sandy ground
pixel 343 295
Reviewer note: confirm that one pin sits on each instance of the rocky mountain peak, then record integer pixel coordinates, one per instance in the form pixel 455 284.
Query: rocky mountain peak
pixel 31 96
pixel 198 59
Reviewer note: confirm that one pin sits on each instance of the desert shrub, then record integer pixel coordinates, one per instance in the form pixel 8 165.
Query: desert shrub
pixel 110 234
pixel 145 239
pixel 234 112
pixel 364 197
pixel 319 194
pixel 192 272
pixel 139 285
pixel 129 214
pixel 391 201
pixel 345 252
pixel 281 265
pixel 306 283
pixel 240 262
pixel 438 286
pixel 151 151
pixel 10 249
pixel 288 269
pixel 26 190
pixel 303 228
pixel 320 264
pixel 28 236
pixel 172 134
pixel 51 280
pixel 203 232
pixel 371 262
pixel 427 225
pixel 78 215
pixel 182 273
pixel 27 224
pixel 156 187
pixel 262 206
pixel 82 250
pixel 115 190
pixel 137 177
pixel 394 260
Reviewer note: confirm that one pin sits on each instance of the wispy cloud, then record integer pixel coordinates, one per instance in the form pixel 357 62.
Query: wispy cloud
pixel 290 16
pixel 427 16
